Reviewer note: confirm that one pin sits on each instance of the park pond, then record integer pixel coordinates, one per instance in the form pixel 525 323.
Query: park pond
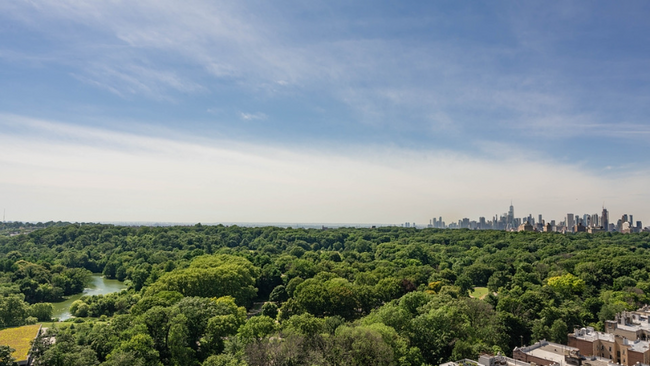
pixel 98 286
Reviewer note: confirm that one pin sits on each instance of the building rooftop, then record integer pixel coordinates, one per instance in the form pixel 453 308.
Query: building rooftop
pixel 551 351
pixel 637 345
pixel 500 360
pixel 556 353
pixel 590 334
pixel 463 362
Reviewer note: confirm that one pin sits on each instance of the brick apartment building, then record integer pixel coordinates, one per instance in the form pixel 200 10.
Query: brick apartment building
pixel 625 340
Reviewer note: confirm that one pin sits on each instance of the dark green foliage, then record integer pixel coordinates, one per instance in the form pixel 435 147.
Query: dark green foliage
pixel 6 359
pixel 270 309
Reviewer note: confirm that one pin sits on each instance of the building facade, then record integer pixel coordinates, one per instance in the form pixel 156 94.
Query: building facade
pixel 626 339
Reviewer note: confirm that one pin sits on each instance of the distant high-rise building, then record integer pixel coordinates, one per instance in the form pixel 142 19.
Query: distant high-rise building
pixel 631 220
pixel 570 222
pixel 624 218
pixel 604 219
pixel 510 221
pixel 539 219
pixel 594 220
pixel 464 224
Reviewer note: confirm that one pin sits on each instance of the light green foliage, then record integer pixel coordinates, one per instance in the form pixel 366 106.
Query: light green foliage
pixel 223 360
pixel 304 324
pixel 257 328
pixel 228 319
pixel 329 296
pixel 567 284
pixel 162 298
pixel 41 311
pixel 212 276
pixel 79 308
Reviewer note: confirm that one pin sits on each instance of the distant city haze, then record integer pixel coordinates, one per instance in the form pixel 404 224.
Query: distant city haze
pixel 358 113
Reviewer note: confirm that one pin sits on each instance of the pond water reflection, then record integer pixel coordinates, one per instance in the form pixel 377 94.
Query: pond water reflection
pixel 98 286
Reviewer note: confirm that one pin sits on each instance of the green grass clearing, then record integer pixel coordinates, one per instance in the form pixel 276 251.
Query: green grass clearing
pixel 479 292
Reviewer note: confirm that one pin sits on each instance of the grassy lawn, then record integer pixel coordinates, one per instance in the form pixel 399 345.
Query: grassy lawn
pixel 479 292
pixel 19 338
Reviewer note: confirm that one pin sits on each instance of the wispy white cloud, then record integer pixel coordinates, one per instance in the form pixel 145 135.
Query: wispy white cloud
pixel 378 78
pixel 138 80
pixel 253 116
pixel 58 170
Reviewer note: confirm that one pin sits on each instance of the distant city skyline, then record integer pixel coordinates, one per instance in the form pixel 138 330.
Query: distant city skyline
pixel 572 222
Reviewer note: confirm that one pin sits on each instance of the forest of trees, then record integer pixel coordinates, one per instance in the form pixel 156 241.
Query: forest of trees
pixel 384 296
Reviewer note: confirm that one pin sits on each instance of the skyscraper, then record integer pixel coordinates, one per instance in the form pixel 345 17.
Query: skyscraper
pixel 570 222
pixel 594 220
pixel 604 219
pixel 511 215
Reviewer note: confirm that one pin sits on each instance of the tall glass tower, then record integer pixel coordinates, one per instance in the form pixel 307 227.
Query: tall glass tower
pixel 511 215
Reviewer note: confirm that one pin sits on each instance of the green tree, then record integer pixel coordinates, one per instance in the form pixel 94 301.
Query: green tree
pixel 360 346
pixel 270 309
pixel 158 322
pixel 141 346
pixel 213 276
pixel 559 331
pixel 181 352
pixel 256 328
pixel 6 356
pixel 223 360
pixel 41 311
pixel 13 311
pixel 567 284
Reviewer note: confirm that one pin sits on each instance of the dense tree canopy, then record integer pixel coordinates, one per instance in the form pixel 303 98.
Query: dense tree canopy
pixel 385 296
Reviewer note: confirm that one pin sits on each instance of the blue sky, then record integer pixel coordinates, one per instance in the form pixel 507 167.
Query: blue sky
pixel 326 111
